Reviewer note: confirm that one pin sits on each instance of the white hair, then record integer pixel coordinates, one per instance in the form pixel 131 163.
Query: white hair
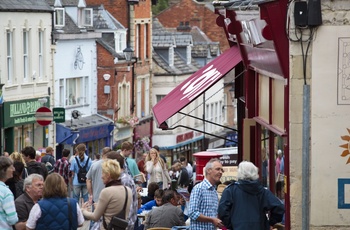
pixel 247 171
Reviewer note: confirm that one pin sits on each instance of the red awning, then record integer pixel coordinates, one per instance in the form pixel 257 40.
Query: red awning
pixel 196 84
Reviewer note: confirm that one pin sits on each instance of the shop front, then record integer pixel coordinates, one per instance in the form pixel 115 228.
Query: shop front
pixel 263 99
pixel 19 125
pixel 94 131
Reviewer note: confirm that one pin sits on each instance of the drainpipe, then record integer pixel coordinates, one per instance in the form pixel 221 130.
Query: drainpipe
pixel 306 158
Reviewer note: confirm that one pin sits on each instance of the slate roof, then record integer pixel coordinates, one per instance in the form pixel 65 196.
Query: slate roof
pixel 104 20
pixel 24 5
pixel 201 44
pixel 162 39
pixel 109 48
pixel 64 2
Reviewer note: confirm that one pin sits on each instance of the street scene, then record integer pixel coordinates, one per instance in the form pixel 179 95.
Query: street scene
pixel 182 114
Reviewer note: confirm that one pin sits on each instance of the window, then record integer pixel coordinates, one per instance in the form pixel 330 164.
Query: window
pixel 59 17
pixel 138 41
pixel 147 95
pixel 171 56
pixel 124 99
pixel 139 98
pixel 87 17
pixel 41 60
pixel 61 92
pixel 76 91
pixel 25 55
pixel 146 39
pixel 159 97
pixel 120 41
pixel 9 56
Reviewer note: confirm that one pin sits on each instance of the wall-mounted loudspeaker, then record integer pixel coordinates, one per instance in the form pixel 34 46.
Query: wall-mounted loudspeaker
pixel 300 14
pixel 314 13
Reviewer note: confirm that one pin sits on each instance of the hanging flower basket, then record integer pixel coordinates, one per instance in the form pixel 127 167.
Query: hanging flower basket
pixel 128 121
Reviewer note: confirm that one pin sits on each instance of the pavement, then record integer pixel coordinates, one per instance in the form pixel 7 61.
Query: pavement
pixel 85 226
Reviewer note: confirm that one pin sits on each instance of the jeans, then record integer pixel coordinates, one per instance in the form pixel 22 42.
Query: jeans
pixel 80 190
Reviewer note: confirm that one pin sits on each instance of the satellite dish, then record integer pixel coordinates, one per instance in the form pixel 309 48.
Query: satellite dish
pixel 76 114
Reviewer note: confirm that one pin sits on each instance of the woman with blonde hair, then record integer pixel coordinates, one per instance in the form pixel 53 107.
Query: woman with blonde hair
pixel 80 162
pixel 17 157
pixel 55 210
pixel 156 167
pixel 112 197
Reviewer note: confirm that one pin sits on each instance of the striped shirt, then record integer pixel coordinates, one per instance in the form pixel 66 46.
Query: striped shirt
pixel 204 200
pixel 8 214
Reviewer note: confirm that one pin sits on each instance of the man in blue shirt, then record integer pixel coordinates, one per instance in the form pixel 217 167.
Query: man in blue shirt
pixel 204 199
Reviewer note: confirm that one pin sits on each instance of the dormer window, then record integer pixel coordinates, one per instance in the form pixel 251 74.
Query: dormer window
pixel 171 56
pixel 59 17
pixel 188 55
pixel 87 17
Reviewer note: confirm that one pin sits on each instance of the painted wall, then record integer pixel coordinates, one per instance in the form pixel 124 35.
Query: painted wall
pixel 330 178
pixel 64 68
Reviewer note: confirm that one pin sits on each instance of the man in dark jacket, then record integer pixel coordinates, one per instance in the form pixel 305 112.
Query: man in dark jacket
pixel 244 204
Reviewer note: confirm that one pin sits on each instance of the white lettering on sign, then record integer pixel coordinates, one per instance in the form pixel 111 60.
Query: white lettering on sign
pixel 196 86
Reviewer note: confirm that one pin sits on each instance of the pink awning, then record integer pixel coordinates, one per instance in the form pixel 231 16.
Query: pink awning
pixel 195 85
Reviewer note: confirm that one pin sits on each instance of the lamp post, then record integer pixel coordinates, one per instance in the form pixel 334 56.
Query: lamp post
pixel 129 57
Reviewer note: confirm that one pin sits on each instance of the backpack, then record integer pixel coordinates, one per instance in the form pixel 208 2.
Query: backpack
pixel 35 168
pixel 82 171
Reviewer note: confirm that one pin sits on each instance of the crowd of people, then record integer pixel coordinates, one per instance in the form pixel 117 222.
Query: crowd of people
pixel 44 193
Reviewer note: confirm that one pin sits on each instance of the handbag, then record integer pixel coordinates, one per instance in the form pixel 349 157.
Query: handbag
pixel 118 222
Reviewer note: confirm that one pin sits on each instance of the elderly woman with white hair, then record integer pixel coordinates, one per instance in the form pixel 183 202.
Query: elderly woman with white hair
pixel 245 203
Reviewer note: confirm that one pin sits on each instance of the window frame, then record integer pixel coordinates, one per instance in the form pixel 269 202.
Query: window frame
pixel 56 15
pixel 84 19
pixel 25 49
pixel 9 55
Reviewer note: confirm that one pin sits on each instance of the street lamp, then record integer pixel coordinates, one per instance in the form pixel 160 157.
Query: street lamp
pixel 129 55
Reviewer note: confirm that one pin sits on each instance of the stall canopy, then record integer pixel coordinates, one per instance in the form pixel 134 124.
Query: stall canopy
pixel 196 85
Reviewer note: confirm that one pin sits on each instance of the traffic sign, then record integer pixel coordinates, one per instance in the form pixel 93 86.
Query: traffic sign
pixel 43 116
pixel 59 114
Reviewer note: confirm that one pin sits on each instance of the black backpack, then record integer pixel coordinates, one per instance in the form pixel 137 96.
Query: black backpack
pixel 35 168
pixel 82 171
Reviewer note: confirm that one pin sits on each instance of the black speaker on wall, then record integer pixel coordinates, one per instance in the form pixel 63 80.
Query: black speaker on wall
pixel 314 13
pixel 300 14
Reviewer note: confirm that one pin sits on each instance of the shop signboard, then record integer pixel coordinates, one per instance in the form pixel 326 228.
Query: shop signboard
pixel 21 112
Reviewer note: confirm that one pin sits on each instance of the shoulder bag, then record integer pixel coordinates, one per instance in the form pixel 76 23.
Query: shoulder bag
pixel 118 222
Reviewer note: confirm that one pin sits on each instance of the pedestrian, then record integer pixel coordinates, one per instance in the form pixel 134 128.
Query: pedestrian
pixel 112 197
pixel 245 204
pixel 183 180
pixel 49 160
pixel 156 167
pixel 62 166
pixel 33 191
pixel 94 183
pixel 93 177
pixel 203 210
pixel 130 167
pixel 79 185
pixel 127 181
pixel 15 183
pixel 151 188
pixel 167 215
pixel 38 156
pixel 8 214
pixel 29 153
pixel 55 210
pixel 16 156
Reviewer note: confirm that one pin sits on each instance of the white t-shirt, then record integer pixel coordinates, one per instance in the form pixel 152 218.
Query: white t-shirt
pixel 35 214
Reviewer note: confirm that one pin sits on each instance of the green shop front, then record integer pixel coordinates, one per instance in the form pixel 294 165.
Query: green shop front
pixel 20 128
